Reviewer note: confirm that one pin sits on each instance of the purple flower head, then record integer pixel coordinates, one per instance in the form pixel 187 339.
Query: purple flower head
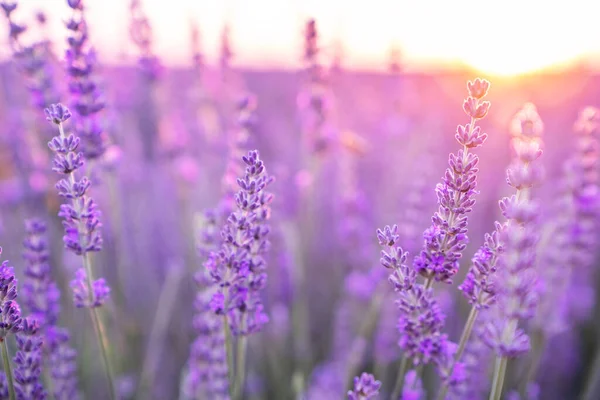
pixel 8 7
pixel 420 325
pixel 63 359
pixel 394 258
pixel 365 387
pixel 478 286
pixel 447 237
pixel 57 113
pixel 28 361
pixel 239 268
pixel 516 281
pixel 10 313
pixel 82 295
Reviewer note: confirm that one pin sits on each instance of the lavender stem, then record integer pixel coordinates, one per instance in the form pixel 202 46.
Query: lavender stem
pixel 498 382
pixel 99 329
pixel 238 388
pixel 8 370
pixel 166 304
pixel 464 338
pixel 400 378
pixel 228 348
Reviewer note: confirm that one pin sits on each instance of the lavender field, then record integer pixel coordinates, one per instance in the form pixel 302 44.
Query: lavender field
pixel 218 232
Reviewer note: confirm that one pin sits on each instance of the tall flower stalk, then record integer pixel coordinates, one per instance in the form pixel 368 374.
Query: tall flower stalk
pixel 238 269
pixel 82 228
pixel 515 281
pixel 421 319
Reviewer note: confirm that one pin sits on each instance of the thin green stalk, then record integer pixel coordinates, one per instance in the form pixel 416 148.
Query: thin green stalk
pixel 400 378
pixel 538 346
pixel 8 370
pixel 166 303
pixel 593 381
pixel 464 338
pixel 240 375
pixel 229 351
pixel 365 331
pixel 99 327
pixel 498 382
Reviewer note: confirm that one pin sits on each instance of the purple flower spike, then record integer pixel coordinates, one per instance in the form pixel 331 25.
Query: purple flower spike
pixel 239 268
pixel 365 387
pixel 10 313
pixel 516 283
pixel 28 361
pixel 447 237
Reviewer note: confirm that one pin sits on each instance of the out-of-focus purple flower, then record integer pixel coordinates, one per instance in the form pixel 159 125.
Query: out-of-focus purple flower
pixel 365 387
pixel 28 361
pixel 413 387
pixel 86 98
pixel 447 237
pixel 80 213
pixel 327 382
pixel 140 32
pixel 475 366
pixel 533 393
pixel 34 61
pixel 40 293
pixel 239 268
pixel 516 277
pixel 62 362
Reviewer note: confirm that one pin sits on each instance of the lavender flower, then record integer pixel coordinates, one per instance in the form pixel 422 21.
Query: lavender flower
pixel 141 35
pixel 34 61
pixel 62 362
pixel 207 364
pixel 478 286
pixel 365 387
pixel 81 216
pixel 86 97
pixel 10 312
pixel 413 390
pixel 516 277
pixel 40 293
pixel 447 237
pixel 239 267
pixel 42 301
pixel 28 361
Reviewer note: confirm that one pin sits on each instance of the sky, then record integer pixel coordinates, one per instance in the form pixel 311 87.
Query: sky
pixel 495 36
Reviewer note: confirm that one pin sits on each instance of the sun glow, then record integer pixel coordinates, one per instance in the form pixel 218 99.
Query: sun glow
pixel 506 37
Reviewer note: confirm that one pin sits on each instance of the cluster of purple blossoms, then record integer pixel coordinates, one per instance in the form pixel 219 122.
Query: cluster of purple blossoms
pixel 29 343
pixel 478 286
pixel 447 237
pixel 63 361
pixel 207 364
pixel 516 277
pixel 28 361
pixel 239 268
pixel 81 215
pixel 421 319
pixel 86 97
pixel 34 60
pixel 365 387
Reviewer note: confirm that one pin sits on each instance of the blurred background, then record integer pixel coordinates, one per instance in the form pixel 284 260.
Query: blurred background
pixel 383 87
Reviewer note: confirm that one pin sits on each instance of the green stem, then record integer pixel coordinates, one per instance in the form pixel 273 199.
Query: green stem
pixel 8 370
pixel 400 378
pixel 166 304
pixel 464 338
pixel 240 375
pixel 365 331
pixel 229 351
pixel 538 345
pixel 498 382
pixel 99 327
